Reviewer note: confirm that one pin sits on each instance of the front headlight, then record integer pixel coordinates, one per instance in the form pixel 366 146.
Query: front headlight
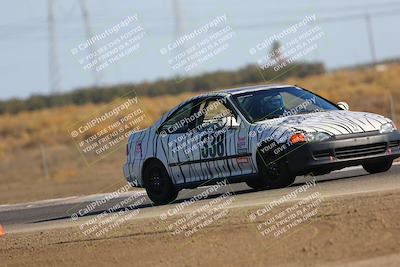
pixel 309 137
pixel 387 128
pixel 316 137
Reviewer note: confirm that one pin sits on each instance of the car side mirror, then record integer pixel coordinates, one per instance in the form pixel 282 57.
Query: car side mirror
pixel 230 122
pixel 343 105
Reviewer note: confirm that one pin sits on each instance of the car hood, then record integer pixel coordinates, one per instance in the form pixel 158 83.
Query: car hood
pixel 331 122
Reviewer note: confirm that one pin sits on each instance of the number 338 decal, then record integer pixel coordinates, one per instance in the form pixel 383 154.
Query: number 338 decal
pixel 212 145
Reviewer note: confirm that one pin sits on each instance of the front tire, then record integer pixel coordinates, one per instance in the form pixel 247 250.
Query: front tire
pixel 273 174
pixel 158 184
pixel 379 166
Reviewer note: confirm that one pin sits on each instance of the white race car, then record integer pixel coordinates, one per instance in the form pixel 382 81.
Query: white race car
pixel 262 135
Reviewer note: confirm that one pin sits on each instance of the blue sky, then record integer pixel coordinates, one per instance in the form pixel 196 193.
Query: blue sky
pixel 24 45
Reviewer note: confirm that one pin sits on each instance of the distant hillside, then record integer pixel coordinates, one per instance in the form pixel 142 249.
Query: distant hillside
pixel 368 89
pixel 364 89
pixel 177 85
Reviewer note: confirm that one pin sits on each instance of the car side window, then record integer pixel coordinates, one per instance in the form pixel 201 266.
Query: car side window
pixel 213 111
pixel 179 121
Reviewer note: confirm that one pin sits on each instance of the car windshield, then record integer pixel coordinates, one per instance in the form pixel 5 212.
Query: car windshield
pixel 280 102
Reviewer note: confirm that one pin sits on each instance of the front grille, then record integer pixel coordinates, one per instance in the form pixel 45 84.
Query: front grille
pixel 322 154
pixel 394 144
pixel 360 151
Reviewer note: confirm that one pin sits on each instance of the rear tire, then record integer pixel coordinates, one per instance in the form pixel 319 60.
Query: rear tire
pixel 273 174
pixel 158 184
pixel 379 166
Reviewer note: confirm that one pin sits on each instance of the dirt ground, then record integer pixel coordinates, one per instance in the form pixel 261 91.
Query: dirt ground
pixel 22 177
pixel 364 229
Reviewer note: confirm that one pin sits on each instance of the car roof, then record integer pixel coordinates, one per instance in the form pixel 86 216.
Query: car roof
pixel 240 90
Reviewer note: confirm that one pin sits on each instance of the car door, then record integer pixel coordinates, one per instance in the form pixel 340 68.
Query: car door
pixel 176 135
pixel 223 148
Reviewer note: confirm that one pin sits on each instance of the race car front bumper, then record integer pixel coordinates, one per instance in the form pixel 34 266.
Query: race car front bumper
pixel 343 151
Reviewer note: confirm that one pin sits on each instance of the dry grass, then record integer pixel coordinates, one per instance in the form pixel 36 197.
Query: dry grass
pixel 22 176
pixel 366 90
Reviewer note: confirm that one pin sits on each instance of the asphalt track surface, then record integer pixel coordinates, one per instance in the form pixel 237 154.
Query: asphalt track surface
pixel 55 214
